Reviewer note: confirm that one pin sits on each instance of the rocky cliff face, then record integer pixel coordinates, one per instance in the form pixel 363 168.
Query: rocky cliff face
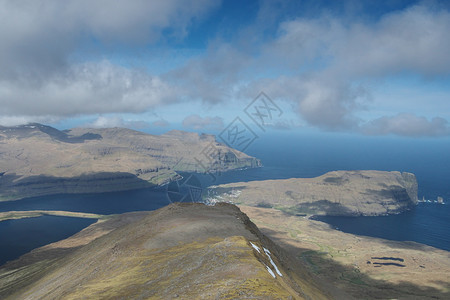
pixel 39 160
pixel 339 193
pixel 411 186
pixel 186 251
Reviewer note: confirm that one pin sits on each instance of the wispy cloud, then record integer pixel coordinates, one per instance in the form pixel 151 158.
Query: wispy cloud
pixel 116 121
pixel 197 122
pixel 327 65
pixel 407 125
pixel 160 123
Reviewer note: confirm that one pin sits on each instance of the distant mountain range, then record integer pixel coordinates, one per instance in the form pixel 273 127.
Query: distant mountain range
pixel 39 160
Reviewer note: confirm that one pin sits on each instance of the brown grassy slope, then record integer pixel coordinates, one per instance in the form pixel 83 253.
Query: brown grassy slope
pixel 186 251
pixel 416 272
pixel 179 150
pixel 334 193
pixel 38 160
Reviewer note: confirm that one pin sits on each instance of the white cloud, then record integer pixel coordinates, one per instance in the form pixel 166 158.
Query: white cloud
pixel 20 120
pixel 211 77
pixel 414 39
pixel 320 101
pixel 197 122
pixel 39 36
pixel 116 121
pixel 107 122
pixel 324 66
pixel 407 125
pixel 331 63
pixel 88 88
pixel 38 75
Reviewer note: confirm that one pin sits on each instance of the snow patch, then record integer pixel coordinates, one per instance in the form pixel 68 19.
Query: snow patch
pixel 270 271
pixel 272 262
pixel 255 247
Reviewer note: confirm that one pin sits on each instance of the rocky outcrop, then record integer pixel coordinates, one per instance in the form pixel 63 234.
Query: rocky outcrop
pixel 186 251
pixel 37 160
pixel 411 186
pixel 338 193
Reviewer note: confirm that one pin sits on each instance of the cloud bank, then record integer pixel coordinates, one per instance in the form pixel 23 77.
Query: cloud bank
pixel 39 76
pixel 326 66
pixel 407 125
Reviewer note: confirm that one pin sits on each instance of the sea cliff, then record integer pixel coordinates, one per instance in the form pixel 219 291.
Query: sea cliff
pixel 338 193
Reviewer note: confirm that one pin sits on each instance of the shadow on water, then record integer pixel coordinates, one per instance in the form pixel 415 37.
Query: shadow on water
pixel 21 236
pixel 16 187
pixel 99 203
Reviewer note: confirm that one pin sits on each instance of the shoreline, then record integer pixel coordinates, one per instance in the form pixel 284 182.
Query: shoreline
pixel 154 186
pixel 17 215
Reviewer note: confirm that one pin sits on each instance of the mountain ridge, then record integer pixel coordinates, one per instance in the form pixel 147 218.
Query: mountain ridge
pixel 186 251
pixel 90 160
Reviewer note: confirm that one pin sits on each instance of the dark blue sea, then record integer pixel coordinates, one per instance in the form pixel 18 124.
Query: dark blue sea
pixel 23 235
pixel 283 155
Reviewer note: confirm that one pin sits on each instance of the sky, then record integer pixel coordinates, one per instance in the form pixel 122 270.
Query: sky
pixel 371 68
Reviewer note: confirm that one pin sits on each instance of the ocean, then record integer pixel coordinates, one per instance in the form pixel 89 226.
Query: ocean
pixel 286 156
pixel 429 159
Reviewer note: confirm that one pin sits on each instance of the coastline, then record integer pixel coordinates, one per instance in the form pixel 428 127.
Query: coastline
pixel 16 215
pixel 366 267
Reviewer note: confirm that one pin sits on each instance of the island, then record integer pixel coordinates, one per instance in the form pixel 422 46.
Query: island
pixel 338 193
pixel 37 160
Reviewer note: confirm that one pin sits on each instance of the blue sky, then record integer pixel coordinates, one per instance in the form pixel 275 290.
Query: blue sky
pixel 361 67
